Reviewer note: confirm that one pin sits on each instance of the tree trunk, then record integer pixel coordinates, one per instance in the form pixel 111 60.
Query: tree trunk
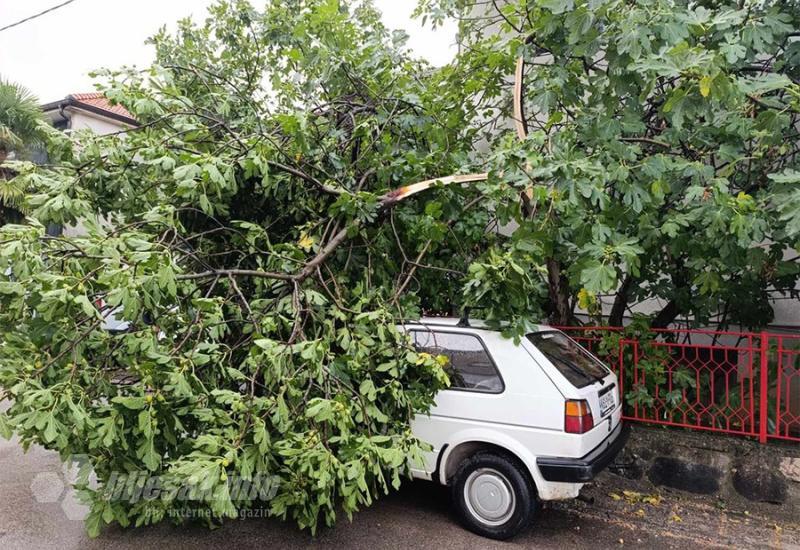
pixel 620 303
pixel 560 311
pixel 670 312
pixel 666 316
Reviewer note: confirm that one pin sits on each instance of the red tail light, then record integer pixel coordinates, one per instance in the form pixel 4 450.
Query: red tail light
pixel 577 416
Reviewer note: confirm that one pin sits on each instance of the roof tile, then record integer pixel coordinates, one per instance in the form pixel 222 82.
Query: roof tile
pixel 99 101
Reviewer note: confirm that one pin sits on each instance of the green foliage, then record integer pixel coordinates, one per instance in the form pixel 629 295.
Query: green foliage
pixel 327 413
pixel 21 119
pixel 244 239
pixel 22 127
pixel 667 134
pixel 649 369
pixel 249 234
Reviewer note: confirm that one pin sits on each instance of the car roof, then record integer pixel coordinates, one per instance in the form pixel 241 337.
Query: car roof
pixel 456 322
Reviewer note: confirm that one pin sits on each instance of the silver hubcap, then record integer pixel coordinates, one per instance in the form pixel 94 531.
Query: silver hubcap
pixel 489 496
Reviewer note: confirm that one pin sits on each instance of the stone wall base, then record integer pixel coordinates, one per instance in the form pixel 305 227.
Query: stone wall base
pixel 727 467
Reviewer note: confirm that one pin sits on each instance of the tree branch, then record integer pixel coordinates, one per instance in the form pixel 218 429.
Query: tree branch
pixel 235 273
pixel 311 179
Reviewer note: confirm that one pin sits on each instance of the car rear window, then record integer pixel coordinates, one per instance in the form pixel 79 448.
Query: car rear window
pixel 575 363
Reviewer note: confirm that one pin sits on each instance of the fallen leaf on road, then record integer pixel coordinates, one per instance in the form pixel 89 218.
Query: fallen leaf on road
pixel 676 518
pixel 653 500
pixel 632 496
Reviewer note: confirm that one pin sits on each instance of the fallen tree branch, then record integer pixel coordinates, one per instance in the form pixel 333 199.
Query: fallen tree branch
pixel 389 200
pixel 307 177
pixel 235 273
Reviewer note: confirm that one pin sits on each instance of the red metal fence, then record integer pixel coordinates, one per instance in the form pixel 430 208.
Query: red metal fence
pixel 731 382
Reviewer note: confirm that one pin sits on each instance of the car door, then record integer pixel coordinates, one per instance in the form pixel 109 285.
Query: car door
pixel 475 386
pixel 496 389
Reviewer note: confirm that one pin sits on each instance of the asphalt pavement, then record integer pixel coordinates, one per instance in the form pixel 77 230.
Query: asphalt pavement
pixel 37 511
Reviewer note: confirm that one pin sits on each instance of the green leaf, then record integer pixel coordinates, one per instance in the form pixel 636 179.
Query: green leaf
pixel 789 175
pixel 9 288
pixel 319 410
pixel 598 277
pixel 765 83
pixel 133 403
pixel 557 6
pixel 51 429
pixel 367 389
pixel 147 452
pixel 5 428
pixel 93 523
pixel 86 306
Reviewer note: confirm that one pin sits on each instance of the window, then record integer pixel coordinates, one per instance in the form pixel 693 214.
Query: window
pixel 55 229
pixel 575 363
pixel 470 367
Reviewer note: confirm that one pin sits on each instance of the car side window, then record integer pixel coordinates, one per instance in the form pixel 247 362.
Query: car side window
pixel 470 367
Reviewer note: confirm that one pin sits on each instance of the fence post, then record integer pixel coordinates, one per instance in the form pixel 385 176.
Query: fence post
pixel 763 389
pixel 621 374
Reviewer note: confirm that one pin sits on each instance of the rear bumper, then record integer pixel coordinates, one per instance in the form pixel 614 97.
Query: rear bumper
pixel 581 470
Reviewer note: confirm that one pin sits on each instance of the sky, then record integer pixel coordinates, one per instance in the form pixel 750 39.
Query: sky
pixel 53 54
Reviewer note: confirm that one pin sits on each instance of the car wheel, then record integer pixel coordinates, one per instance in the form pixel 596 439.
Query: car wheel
pixel 493 495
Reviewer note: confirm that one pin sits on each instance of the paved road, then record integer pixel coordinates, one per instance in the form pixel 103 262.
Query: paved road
pixel 417 516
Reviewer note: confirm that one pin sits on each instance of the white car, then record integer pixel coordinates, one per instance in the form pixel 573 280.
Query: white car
pixel 521 423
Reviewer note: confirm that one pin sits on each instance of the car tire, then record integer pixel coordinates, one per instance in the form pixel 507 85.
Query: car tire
pixel 493 495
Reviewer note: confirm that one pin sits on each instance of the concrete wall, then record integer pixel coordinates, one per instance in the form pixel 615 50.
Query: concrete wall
pixel 83 120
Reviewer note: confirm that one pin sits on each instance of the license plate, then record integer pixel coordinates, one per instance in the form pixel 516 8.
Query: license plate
pixel 606 403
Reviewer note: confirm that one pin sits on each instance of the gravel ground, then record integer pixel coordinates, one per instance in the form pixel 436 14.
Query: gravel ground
pixel 32 516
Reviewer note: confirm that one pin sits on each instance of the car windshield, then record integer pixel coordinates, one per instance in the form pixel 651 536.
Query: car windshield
pixel 575 363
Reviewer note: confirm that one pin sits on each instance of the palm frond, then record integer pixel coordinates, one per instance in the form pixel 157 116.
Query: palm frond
pixel 12 192
pixel 20 116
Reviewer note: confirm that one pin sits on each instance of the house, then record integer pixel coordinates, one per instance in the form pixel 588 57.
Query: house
pixel 89 111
